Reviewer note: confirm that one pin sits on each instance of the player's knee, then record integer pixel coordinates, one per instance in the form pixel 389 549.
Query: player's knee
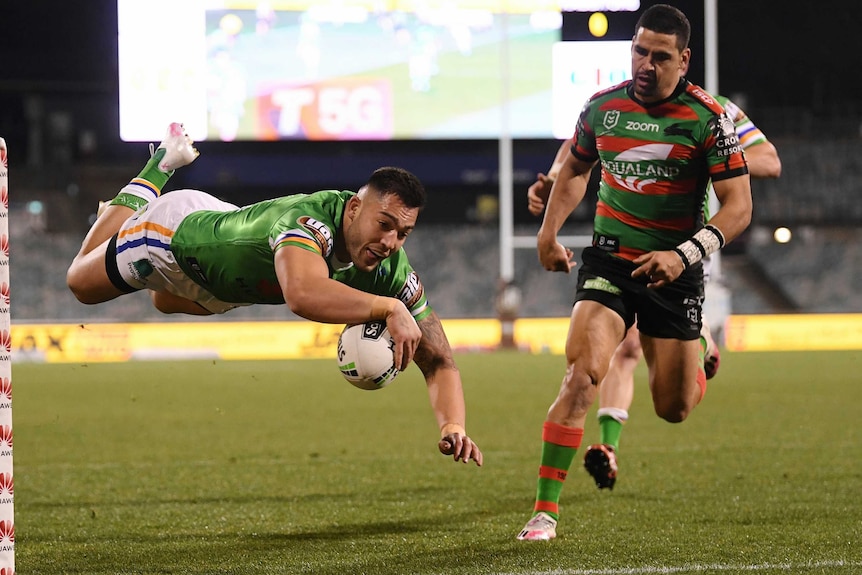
pixel 630 349
pixel 168 303
pixel 674 410
pixel 79 285
pixel 164 303
pixel 578 388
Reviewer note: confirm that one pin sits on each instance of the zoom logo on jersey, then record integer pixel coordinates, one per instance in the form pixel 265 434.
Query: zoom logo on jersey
pixel 320 231
pixel 642 126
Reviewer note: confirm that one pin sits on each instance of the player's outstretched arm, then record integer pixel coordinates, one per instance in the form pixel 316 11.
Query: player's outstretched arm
pixel 310 293
pixel 434 359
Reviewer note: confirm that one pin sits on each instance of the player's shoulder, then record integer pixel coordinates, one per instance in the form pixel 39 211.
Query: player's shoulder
pixel 734 112
pixel 612 91
pixel 320 202
pixel 600 100
pixel 318 214
pixel 704 98
pixel 320 197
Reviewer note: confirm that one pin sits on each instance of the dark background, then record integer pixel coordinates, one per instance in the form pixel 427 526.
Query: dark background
pixel 789 64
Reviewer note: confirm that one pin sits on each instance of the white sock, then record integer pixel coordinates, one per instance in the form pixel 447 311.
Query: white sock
pixel 620 415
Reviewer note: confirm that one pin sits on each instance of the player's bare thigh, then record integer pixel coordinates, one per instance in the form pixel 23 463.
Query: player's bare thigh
pixel 595 331
pixel 673 366
pixel 88 279
pixel 167 302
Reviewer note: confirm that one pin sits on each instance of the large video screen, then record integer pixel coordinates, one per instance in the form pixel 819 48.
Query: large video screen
pixel 580 69
pixel 338 69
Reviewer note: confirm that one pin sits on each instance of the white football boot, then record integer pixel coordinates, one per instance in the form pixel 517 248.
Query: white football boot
pixel 179 149
pixel 542 527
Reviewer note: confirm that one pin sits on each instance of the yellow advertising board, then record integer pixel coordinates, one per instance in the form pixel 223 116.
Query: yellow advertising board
pixel 218 340
pixel 81 343
pixel 97 342
pixel 793 332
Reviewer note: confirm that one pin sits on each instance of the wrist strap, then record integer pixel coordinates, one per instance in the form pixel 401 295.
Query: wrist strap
pixel 450 428
pixel 705 242
pixel 381 307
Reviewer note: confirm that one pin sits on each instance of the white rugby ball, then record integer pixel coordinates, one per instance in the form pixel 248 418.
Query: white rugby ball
pixel 365 355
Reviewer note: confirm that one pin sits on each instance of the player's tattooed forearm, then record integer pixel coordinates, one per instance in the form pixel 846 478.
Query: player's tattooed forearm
pixel 434 351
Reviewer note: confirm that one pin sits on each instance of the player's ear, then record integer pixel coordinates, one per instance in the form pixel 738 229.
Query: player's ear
pixel 352 207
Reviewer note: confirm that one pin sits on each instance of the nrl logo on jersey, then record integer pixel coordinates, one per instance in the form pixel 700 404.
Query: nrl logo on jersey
pixel 611 118
pixel 320 231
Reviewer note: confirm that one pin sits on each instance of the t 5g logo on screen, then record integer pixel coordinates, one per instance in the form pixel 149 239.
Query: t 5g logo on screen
pixel 338 109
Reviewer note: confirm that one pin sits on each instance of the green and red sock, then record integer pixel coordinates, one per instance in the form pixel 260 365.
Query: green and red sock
pixel 559 445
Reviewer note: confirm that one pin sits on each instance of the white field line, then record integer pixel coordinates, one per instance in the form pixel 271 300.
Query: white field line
pixel 700 568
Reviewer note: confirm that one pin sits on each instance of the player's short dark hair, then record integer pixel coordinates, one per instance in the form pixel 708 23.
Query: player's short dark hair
pixel 666 19
pixel 398 181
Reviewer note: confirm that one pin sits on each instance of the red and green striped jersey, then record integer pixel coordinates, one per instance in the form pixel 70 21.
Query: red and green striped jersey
pixel 657 160
pixel 749 135
pixel 232 254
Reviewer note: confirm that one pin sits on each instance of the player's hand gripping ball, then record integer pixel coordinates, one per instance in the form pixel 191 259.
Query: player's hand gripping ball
pixel 365 355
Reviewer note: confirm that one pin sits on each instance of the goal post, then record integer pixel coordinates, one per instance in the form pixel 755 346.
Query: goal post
pixel 7 490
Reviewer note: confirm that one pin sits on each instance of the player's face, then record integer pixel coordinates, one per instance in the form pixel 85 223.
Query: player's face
pixel 657 64
pixel 378 227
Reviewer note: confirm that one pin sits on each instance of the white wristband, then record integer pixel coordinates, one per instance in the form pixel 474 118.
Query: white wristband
pixel 705 242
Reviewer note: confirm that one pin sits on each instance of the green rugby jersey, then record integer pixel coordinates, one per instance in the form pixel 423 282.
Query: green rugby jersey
pixel 232 254
pixel 657 160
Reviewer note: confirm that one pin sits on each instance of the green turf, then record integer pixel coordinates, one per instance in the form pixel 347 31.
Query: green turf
pixel 284 468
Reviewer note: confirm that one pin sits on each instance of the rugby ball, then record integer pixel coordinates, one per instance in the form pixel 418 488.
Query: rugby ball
pixel 365 355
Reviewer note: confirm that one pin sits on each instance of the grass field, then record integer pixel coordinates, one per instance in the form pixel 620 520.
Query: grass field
pixel 284 468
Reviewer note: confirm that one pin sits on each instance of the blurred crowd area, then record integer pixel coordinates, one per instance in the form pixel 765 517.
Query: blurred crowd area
pixel 818 270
